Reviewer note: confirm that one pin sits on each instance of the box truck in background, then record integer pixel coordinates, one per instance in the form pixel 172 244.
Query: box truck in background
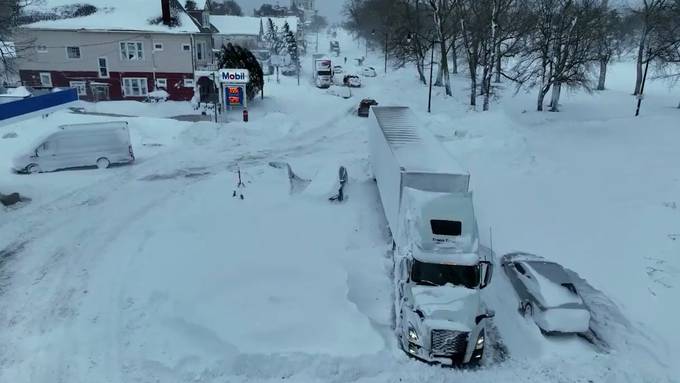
pixel 439 265
pixel 323 72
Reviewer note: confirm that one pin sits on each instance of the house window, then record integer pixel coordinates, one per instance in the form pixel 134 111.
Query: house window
pixel 157 46
pixel 186 47
pixel 135 87
pixel 103 63
pixel 41 48
pixel 206 19
pixel 131 50
pixel 73 52
pixel 200 51
pixel 188 82
pixel 162 83
pixel 46 79
pixel 80 86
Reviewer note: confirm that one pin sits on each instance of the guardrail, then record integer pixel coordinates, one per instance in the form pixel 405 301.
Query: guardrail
pixel 33 105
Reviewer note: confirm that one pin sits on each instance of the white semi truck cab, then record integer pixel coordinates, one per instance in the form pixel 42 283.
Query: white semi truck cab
pixel 440 267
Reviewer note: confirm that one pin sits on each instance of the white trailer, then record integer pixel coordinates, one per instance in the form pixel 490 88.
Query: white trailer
pixel 440 267
pixel 323 72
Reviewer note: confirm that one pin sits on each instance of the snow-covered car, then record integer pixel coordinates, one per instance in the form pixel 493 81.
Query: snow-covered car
pixel 546 294
pixel 289 70
pixel 99 144
pixel 365 106
pixel 337 69
pixel 369 71
pixel 352 81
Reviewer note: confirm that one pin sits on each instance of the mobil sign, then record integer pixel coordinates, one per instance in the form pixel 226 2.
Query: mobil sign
pixel 234 76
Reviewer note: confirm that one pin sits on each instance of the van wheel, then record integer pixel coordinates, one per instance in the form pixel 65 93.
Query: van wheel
pixel 33 168
pixel 103 163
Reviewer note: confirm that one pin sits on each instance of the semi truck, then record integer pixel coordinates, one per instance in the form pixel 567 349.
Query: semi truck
pixel 440 267
pixel 323 72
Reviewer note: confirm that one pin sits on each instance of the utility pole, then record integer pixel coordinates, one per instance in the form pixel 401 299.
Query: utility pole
pixel 386 37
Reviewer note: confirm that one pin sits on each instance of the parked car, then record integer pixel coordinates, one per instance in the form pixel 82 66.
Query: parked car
pixel 352 81
pixel 79 145
pixel 369 72
pixel 337 69
pixel 365 106
pixel 546 294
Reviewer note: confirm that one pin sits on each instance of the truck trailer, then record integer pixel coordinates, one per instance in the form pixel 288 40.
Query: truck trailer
pixel 440 267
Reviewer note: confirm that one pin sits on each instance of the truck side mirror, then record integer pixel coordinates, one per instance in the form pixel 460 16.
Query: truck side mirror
pixel 489 314
pixel 486 273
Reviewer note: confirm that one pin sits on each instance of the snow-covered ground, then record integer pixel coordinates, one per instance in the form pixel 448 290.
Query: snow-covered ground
pixel 154 272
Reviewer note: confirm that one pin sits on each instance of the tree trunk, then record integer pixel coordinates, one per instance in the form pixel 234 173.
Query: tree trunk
pixel 498 64
pixel 454 58
pixel 603 74
pixel 555 100
pixel 421 72
pixel 440 75
pixel 445 68
pixel 640 59
pixel 541 97
pixel 473 88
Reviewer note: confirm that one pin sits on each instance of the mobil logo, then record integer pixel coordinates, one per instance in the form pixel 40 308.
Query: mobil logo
pixel 234 76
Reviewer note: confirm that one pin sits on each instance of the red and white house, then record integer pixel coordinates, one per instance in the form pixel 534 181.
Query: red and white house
pixel 119 49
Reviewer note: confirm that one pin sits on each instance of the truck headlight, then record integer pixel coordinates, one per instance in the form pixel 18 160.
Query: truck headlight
pixel 412 334
pixel 480 341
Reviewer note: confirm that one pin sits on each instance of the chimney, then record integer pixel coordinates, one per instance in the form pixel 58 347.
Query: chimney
pixel 165 7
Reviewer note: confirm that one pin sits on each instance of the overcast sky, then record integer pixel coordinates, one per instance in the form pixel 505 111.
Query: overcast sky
pixel 331 9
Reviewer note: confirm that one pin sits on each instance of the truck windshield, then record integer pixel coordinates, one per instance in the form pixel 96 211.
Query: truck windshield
pixel 433 274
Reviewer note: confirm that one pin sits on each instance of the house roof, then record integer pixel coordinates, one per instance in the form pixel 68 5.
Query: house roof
pixel 112 15
pixel 249 26
pixel 236 25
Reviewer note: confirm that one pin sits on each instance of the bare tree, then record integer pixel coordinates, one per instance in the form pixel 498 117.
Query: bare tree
pixel 659 32
pixel 445 29
pixel 559 51
pixel 11 12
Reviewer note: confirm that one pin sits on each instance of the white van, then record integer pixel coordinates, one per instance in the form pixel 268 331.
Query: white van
pixel 79 145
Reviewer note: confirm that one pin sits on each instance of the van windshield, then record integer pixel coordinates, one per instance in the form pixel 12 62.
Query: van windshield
pixel 434 274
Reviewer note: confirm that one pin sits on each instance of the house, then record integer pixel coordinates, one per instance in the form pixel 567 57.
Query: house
pixel 306 6
pixel 112 49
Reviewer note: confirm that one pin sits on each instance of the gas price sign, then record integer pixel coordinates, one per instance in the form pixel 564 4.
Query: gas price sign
pixel 235 95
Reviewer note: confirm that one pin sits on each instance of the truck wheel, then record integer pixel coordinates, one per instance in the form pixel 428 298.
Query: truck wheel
pixel 33 168
pixel 103 163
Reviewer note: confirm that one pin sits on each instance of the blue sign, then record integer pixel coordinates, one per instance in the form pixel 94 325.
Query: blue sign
pixel 44 103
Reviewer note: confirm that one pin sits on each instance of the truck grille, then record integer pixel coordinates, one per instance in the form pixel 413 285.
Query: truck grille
pixel 448 342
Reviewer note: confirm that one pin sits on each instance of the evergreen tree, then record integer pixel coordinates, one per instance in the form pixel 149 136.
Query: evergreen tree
pixel 273 38
pixel 291 45
pixel 236 57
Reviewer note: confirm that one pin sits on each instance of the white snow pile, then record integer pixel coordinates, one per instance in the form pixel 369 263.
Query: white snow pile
pixel 159 95
pixel 18 92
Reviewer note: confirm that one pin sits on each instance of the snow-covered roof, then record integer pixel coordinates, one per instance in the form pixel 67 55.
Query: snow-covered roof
pixel 112 15
pixel 7 49
pixel 250 26
pixel 236 25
